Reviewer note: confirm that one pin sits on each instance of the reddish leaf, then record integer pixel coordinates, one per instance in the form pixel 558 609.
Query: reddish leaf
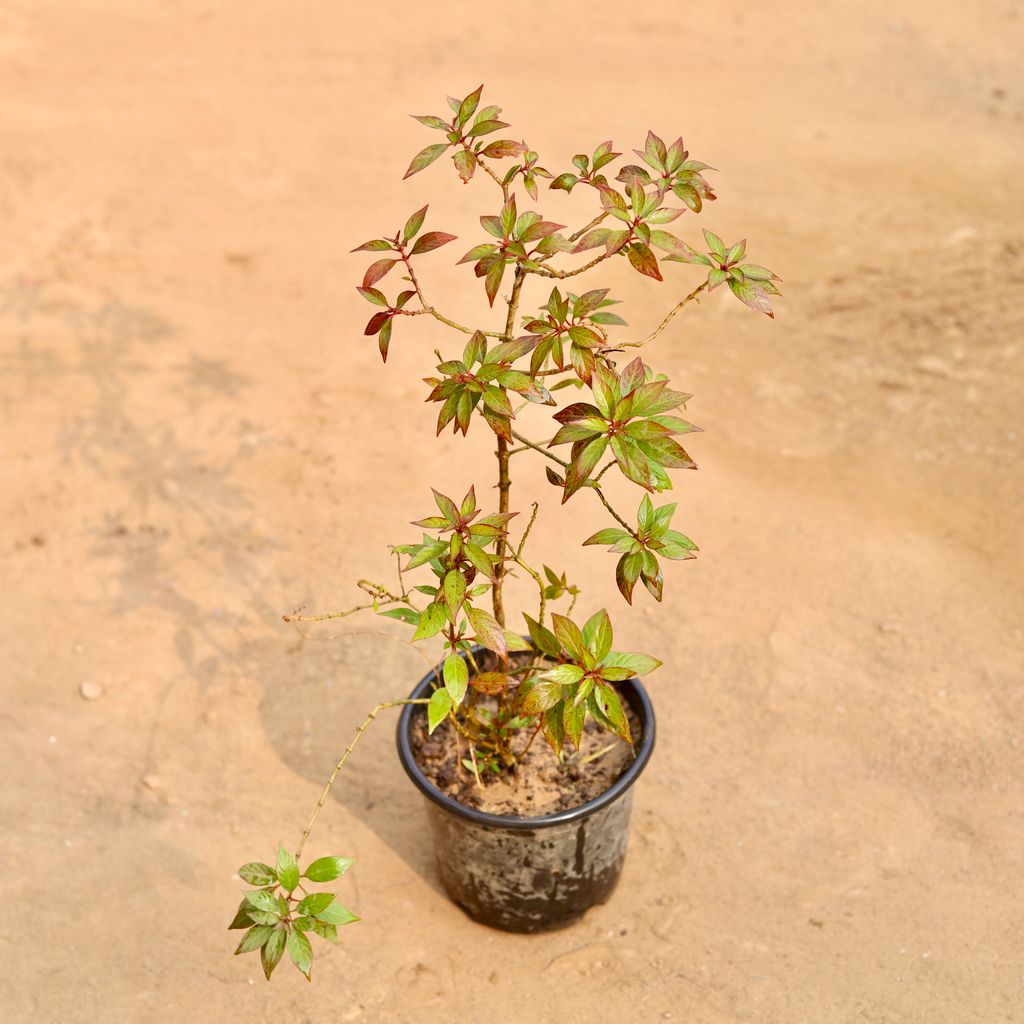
pixel 493 280
pixel 414 223
pixel 376 271
pixel 385 339
pixel 424 158
pixel 465 164
pixel 377 321
pixel 430 241
pixel 372 295
pixel 502 148
pixel 583 465
pixel 643 261
pixel 374 245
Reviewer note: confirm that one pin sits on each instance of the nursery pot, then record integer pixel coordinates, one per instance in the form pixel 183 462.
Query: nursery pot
pixel 531 874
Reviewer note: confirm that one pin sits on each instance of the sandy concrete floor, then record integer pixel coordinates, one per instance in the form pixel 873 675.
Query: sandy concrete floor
pixel 196 438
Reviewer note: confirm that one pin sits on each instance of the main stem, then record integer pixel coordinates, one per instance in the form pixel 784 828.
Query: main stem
pixel 504 483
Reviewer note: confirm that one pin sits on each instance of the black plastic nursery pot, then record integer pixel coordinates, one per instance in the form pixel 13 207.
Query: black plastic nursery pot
pixel 531 874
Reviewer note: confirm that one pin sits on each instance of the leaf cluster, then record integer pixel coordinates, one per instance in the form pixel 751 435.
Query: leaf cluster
pixel 275 919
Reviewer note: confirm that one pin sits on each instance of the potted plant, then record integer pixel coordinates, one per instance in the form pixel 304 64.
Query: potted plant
pixel 528 834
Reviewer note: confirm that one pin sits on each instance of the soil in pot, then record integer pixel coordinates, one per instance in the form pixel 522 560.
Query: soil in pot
pixel 539 784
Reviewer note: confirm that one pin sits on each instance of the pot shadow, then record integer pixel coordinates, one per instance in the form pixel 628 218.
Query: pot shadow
pixel 315 693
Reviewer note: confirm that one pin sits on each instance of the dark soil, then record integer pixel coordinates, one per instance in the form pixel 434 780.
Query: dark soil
pixel 539 783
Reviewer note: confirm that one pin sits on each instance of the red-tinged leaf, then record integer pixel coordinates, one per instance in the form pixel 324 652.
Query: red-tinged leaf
pixel 479 252
pixel 611 708
pixel 592 239
pixel 414 223
pixel 493 280
pixel 611 200
pixel 488 632
pixel 431 121
pixel 424 158
pixel 655 583
pixel 497 401
pixel 583 362
pixel 465 164
pixel 632 462
pixel 491 683
pixel 430 241
pixel 643 261
pixel 615 241
pixel 372 295
pixel 571 433
pixel 540 696
pixel 541 229
pixel 715 244
pixel 403 298
pixel 627 572
pixel 565 182
pixel 583 465
pixel 554 478
pixel 469 105
pixel 503 148
pixel 485 128
pixel 633 376
pixel 753 296
pixel 510 351
pixel 376 271
pixel 609 535
pixel 377 321
pixel 492 225
pixel 585 337
pixel 374 245
pixel 576 411
pixel 569 635
pixel 384 339
pixel 588 302
pixel 667 453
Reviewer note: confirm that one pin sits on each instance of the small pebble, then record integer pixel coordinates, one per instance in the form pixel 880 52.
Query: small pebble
pixel 90 690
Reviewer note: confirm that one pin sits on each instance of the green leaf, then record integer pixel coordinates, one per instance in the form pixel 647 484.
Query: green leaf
pixel 454 592
pixel 430 121
pixel 543 639
pixel 326 931
pixel 414 223
pixel 241 918
pixel 438 708
pixel 315 902
pixel 264 901
pixel 715 244
pixel 378 298
pixel 301 952
pixel 254 938
pixel 432 620
pixel 407 615
pixel 480 559
pixel 257 873
pixel 456 678
pixel 336 914
pixel 564 675
pixel 569 635
pixel 611 707
pixel 597 634
pixel 638 664
pixel 573 717
pixel 553 727
pixel 326 869
pixel 427 553
pixel 424 158
pixel 273 950
pixel 287 870
pixel 609 535
pixel 468 106
pixel 515 642
pixel 542 695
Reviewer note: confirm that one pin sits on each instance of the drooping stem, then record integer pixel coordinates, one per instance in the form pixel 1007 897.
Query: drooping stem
pixel 668 319
pixel 344 757
pixel 502 453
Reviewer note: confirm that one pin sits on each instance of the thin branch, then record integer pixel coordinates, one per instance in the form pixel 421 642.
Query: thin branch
pixel 565 465
pixel 344 757
pixel 668 319
pixel 562 274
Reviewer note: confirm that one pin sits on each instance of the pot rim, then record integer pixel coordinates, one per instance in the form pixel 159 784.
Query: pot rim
pixel 638 699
